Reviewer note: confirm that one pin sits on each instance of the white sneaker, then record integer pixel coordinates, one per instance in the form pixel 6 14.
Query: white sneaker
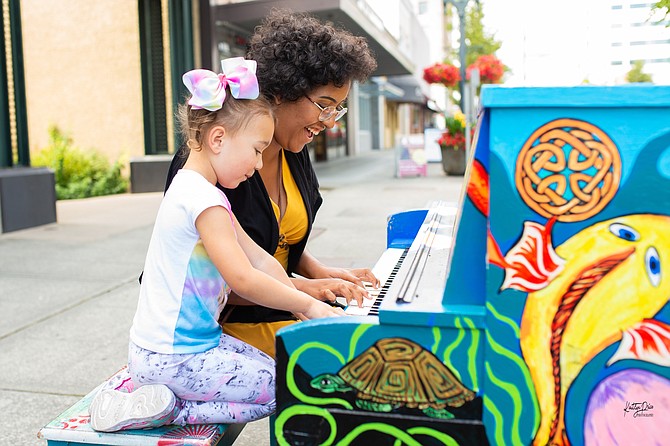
pixel 148 406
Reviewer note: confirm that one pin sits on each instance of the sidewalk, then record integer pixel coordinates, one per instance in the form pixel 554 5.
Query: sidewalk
pixel 68 290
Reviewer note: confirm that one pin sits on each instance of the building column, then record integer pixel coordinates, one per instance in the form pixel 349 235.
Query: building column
pixel 379 116
pixel 376 114
pixel 353 141
pixel 19 92
pixel 5 130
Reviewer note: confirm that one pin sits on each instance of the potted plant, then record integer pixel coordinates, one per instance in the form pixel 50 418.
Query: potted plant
pixel 452 145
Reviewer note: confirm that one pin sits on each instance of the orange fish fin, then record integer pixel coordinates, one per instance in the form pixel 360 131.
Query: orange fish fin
pixel 493 251
pixel 478 187
pixel 648 340
pixel 532 263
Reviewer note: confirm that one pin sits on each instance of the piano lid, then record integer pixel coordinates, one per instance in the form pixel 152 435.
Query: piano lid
pixel 579 96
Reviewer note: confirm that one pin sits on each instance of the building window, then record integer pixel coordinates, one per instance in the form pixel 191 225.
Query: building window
pixel 231 40
pixel 650 42
pixel 652 61
pixel 153 77
pixel 365 122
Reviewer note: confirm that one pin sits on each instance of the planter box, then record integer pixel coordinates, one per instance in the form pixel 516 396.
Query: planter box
pixel 453 161
pixel 27 198
pixel 148 173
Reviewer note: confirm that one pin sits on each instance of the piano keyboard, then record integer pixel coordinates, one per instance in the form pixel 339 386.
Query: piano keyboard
pixel 385 270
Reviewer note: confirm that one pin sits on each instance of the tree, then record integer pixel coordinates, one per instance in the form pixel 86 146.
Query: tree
pixel 479 42
pixel 636 75
pixel 662 4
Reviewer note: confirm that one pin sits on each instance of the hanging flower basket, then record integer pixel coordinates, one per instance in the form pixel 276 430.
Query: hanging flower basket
pixel 442 73
pixel 491 69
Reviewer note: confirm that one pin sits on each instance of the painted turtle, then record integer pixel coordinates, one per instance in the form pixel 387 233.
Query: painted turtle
pixel 397 372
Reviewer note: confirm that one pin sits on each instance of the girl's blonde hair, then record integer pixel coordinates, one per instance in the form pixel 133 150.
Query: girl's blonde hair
pixel 234 116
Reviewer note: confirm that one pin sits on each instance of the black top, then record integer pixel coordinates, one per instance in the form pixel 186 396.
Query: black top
pixel 251 205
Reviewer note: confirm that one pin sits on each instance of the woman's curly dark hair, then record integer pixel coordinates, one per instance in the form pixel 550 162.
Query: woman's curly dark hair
pixel 297 53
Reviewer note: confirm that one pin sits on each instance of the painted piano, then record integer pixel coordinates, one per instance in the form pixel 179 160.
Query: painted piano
pixel 533 311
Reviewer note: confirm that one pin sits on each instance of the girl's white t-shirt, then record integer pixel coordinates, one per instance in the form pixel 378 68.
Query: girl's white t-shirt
pixel 182 292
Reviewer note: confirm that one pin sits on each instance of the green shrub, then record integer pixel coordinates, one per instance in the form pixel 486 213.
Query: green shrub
pixel 79 174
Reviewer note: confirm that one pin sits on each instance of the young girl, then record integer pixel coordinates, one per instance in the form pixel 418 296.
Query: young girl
pixel 187 371
pixel 306 68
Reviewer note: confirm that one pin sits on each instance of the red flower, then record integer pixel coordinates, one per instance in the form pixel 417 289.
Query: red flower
pixel 455 142
pixel 491 69
pixel 454 135
pixel 442 73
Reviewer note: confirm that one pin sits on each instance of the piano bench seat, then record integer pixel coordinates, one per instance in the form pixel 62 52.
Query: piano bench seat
pixel 72 428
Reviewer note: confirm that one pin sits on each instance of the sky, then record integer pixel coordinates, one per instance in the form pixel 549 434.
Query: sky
pixel 552 43
pixel 545 42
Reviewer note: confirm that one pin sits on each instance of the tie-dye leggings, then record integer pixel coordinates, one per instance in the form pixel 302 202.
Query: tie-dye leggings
pixel 231 383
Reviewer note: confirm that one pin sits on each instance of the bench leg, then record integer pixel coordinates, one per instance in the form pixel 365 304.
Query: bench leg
pixel 230 435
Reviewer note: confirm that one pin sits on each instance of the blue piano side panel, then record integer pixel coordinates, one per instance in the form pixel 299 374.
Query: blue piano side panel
pixel 578 276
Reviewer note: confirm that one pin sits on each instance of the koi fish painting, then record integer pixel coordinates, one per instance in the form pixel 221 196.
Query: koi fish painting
pixel 599 287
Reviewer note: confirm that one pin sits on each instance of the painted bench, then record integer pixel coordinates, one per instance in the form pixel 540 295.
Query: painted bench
pixel 72 428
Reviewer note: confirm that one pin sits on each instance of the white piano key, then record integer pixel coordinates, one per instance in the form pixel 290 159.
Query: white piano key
pixel 384 267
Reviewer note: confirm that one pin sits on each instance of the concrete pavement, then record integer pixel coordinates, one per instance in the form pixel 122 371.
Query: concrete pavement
pixel 68 290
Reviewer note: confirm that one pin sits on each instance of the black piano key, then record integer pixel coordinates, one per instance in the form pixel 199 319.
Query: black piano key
pixel 374 308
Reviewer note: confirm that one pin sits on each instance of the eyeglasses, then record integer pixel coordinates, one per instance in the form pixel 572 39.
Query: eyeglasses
pixel 330 112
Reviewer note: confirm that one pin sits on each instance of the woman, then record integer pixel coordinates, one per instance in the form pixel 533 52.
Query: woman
pixel 305 68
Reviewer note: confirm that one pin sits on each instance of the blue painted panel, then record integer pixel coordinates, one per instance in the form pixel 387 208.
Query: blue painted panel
pixel 580 212
pixel 467 266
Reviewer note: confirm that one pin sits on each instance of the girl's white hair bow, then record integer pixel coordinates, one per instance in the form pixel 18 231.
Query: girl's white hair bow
pixel 208 89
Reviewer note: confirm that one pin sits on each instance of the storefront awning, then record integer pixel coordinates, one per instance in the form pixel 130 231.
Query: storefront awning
pixel 387 89
pixel 410 87
pixel 360 20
